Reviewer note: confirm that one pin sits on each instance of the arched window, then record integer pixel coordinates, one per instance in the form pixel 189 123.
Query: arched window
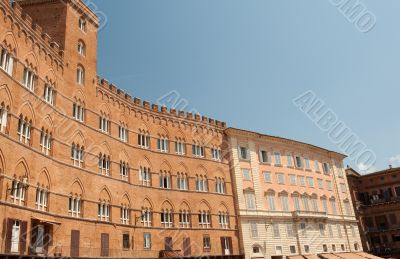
pixel 6 61
pixel 163 144
pixel 284 201
pixel 306 206
pixel 165 180
pixel 314 203
pixel 184 219
pixel 216 153
pixel 18 190
pixel 296 201
pixel 145 176
pixel 333 206
pixel 48 94
pixel 223 219
pixel 219 185
pixel 144 139
pixel 204 219
pixel 3 117
pixel 77 153
pixel 81 48
pixel 104 211
pixel 29 79
pixel 123 132
pixel 167 218
pixel 78 111
pixel 82 24
pixel 147 216
pixel 125 214
pixel 201 183
pixel 45 141
pixel 24 129
pixel 80 75
pixel 124 170
pixel 198 150
pixel 104 123
pixel 180 146
pixel 181 182
pixel 74 206
pixel 41 198
pixel 104 164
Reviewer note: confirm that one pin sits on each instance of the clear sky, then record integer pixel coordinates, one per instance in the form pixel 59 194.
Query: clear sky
pixel 244 62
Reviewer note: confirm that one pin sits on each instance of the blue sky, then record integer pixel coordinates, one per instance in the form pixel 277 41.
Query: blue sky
pixel 244 62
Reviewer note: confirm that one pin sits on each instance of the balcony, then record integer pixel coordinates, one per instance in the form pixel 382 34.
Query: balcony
pixel 309 214
pixel 373 202
pixel 381 229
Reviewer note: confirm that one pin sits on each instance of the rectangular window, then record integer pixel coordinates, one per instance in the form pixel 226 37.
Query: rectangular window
pixel 327 168
pixel 307 249
pixel 293 179
pixel 320 183
pixel 307 163
pixel 267 177
pixel 302 181
pixel 254 229
pixel 322 229
pixel 166 219
pixel 277 156
pixel 204 219
pixel 289 230
pixel 292 249
pixel 329 185
pixel 330 229
pixel 82 25
pixel 250 200
pixel 343 188
pixel 243 153
pixel 223 220
pixel 145 176
pixel 299 162
pixel 333 207
pixel 206 243
pixel 284 202
pixel 289 159
pixel 303 229
pixel 276 230
pixel 146 217
pixel 316 166
pixel 280 178
pixel 144 140
pixel 125 241
pixel 296 202
pixel 146 240
pixel 265 157
pixel 310 182
pixel 246 174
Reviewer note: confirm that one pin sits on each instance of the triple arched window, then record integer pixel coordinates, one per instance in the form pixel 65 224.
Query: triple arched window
pixel 220 185
pixel 201 183
pixel 45 141
pixel 24 129
pixel 6 61
pixel 77 153
pixel 104 164
pixel 165 180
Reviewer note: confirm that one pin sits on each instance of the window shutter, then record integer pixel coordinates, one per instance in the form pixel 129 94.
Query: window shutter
pixel 23 237
pixel 104 245
pixel 222 245
pixel 230 245
pixel 8 223
pixel 187 251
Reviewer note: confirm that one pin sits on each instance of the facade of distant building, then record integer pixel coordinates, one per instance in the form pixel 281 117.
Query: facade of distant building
pixel 292 198
pixel 87 172
pixel 376 197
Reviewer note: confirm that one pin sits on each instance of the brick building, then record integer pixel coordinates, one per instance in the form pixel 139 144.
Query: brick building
pixel 376 198
pixel 292 198
pixel 88 171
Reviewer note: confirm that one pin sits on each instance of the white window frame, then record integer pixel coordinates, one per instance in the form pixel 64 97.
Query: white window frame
pixel 29 80
pixel 77 155
pixel 48 94
pixel 45 142
pixel 180 147
pixel 223 219
pixel 103 212
pixel 163 144
pixel 184 219
pixel 124 170
pixel 78 112
pixel 41 199
pixel 125 211
pixel 7 61
pixel 74 207
pixel 146 217
pixel 145 176
pixel 3 118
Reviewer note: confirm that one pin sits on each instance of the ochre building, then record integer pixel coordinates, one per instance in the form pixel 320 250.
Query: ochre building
pixel 376 197
pixel 88 171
